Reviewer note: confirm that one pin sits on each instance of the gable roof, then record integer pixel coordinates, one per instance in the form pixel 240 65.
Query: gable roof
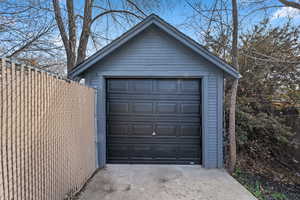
pixel 169 29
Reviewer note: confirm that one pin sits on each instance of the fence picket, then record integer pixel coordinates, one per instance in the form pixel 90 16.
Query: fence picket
pixel 44 119
pixel 3 130
pixel 9 138
pixel 22 135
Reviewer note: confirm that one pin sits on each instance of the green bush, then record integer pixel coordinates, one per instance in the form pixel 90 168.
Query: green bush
pixel 261 126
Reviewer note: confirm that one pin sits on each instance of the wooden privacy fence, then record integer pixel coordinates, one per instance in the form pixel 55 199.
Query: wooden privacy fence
pixel 47 141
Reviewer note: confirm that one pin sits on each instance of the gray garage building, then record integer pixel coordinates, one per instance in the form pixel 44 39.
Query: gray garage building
pixel 159 97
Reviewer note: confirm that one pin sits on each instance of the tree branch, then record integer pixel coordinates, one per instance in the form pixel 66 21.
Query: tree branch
pixel 116 11
pixel 136 7
pixel 206 17
pixel 290 4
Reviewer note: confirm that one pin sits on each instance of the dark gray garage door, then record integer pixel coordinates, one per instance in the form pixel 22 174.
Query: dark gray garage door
pixel 154 121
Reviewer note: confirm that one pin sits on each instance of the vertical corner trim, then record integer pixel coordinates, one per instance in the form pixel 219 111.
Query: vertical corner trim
pixel 204 122
pixel 220 86
pixel 96 128
pixel 101 122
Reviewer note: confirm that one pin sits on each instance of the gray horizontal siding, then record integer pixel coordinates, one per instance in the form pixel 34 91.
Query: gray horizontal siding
pixel 155 54
pixel 154 50
pixel 212 136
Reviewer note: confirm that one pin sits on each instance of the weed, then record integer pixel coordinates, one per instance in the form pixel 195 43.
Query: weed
pixel 279 196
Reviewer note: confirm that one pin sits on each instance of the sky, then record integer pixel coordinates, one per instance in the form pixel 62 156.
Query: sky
pixel 178 12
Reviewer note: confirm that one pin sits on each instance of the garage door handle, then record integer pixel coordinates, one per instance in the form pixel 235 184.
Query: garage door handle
pixel 153 133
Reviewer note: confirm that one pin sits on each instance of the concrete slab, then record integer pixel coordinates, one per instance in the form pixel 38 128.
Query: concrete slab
pixel 163 182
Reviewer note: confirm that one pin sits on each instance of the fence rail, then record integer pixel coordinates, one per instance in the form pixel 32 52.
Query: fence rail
pixel 47 144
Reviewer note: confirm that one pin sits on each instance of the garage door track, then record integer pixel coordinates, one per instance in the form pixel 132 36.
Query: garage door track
pixel 163 182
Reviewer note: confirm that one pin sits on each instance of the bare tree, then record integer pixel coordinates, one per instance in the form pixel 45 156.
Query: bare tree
pixel 76 47
pixel 37 31
pixel 234 87
pixel 219 24
pixel 27 32
pixel 209 22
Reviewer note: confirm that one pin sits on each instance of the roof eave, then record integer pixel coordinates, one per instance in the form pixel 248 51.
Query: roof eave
pixel 110 47
pixel 197 48
pixel 153 19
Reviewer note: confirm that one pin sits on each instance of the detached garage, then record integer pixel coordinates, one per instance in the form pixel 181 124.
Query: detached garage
pixel 159 98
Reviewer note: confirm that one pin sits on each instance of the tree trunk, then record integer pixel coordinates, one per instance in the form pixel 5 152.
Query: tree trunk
pixel 86 31
pixel 231 131
pixel 69 38
pixel 69 42
pixel 72 35
pixel 63 33
pixel 234 87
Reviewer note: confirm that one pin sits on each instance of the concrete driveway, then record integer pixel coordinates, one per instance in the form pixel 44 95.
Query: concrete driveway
pixel 163 182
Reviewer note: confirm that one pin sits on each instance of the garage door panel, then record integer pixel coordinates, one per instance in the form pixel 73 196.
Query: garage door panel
pixel 118 151
pixel 190 86
pixel 166 108
pixel 131 118
pixel 117 85
pixel 189 152
pixel 141 151
pixel 190 108
pixel 143 107
pixel 167 85
pixel 148 153
pixel 166 129
pixel 155 107
pixel 190 130
pixel 119 129
pixel 142 129
pixel 154 140
pixel 119 107
pixel 140 86
pixel 168 151
pixel 155 96
pixel 169 107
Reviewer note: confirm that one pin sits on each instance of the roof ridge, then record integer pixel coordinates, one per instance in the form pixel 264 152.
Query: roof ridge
pixel 169 29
